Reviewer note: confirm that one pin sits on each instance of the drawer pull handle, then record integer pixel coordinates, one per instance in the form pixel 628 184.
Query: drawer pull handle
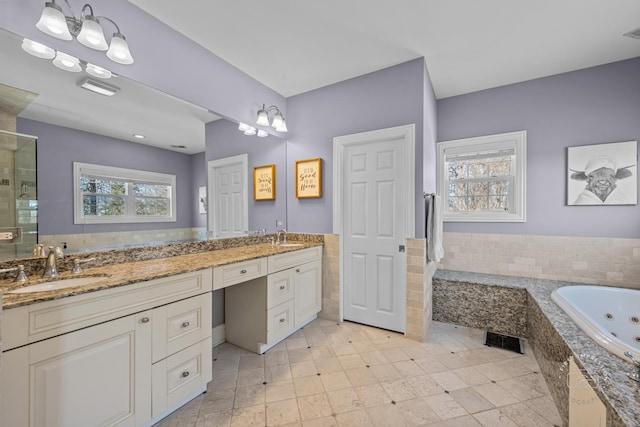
pixel 185 324
pixel 282 287
pixel 145 320
pixel 185 374
pixel 243 271
pixel 282 320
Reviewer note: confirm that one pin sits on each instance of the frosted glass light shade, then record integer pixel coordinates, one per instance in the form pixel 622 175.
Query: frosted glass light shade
pixel 67 62
pixel 37 49
pixel 99 72
pixel 262 133
pixel 250 132
pixel 91 34
pixel 263 118
pixel 53 22
pixel 282 127
pixel 119 50
pixel 277 120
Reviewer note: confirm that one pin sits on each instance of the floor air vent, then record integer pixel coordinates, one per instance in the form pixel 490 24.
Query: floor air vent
pixel 506 342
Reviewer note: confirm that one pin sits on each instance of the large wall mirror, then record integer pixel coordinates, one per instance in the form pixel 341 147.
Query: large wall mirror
pixel 76 125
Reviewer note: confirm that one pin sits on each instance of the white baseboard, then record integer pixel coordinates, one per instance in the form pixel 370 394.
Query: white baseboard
pixel 218 335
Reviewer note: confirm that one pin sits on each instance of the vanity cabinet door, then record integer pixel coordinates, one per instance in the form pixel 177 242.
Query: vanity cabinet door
pixel 95 376
pixel 308 291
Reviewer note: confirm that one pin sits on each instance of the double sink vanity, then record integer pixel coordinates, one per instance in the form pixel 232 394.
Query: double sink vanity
pixel 131 342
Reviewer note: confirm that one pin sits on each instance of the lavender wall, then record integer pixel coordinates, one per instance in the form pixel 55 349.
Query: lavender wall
pixel 164 59
pixel 199 179
pixel 385 98
pixel 590 106
pixel 223 139
pixel 430 136
pixel 59 147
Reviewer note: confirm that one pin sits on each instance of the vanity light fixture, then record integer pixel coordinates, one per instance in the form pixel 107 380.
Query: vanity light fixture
pixel 98 87
pixel 250 130
pixel 87 30
pixel 67 62
pixel 278 122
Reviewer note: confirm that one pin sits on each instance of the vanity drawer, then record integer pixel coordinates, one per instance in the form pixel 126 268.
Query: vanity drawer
pixel 231 274
pixel 179 325
pixel 179 376
pixel 294 258
pixel 279 288
pixel 280 321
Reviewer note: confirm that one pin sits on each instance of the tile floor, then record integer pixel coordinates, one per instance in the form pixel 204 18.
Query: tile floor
pixel 347 374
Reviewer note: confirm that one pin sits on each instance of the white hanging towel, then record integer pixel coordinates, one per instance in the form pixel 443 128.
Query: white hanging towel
pixel 435 251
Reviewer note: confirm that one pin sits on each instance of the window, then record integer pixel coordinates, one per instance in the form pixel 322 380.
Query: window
pixel 104 194
pixel 483 179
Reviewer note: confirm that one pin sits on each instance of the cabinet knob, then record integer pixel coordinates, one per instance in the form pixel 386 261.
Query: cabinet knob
pixel 282 320
pixel 243 271
pixel 282 287
pixel 185 374
pixel 144 320
pixel 185 324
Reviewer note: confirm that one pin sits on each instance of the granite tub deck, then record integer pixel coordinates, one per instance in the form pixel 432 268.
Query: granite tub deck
pixel 552 334
pixel 114 272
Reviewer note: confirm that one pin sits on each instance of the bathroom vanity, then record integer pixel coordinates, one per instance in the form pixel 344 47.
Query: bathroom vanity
pixel 135 344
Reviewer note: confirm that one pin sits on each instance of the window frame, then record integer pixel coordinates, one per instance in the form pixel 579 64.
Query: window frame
pixel 516 141
pixel 123 174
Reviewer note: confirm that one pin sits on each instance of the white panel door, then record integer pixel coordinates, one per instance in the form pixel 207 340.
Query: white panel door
pixel 228 209
pixel 373 230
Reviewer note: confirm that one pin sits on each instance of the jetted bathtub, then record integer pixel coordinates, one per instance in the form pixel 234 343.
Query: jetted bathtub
pixel 611 316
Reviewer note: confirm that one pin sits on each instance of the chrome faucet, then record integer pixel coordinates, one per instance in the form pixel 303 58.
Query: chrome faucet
pixel 50 265
pixel 21 276
pixel 278 241
pixel 636 374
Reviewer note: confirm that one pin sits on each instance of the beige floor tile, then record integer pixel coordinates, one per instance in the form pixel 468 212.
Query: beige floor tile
pixel 361 376
pixel 354 419
pixel 344 400
pixel 372 395
pixel 505 369
pixel 494 418
pixel 306 386
pixel 350 361
pixel 279 391
pixel 445 406
pixel 430 365
pixel 524 416
pixel 303 369
pixel 250 377
pixel 296 343
pixel 277 373
pixel 273 358
pixel 526 387
pixel 322 352
pixel 224 380
pixel 448 380
pixel 328 364
pixel 466 421
pixel 282 412
pixel 299 355
pixel 182 421
pixel 417 412
pixel 217 401
pixel 335 381
pixel 471 376
pixel 364 346
pixel 249 396
pixel 546 407
pixel 225 365
pixel 373 358
pixel 387 415
pixel 399 390
pixel 385 372
pixel 251 416
pixel 314 406
pixel 471 400
pixel 394 355
pixel 496 394
pixel 251 362
pixel 340 349
pixel 408 368
pixel 425 385
pixel 321 422
pixel 216 419
pixel 453 361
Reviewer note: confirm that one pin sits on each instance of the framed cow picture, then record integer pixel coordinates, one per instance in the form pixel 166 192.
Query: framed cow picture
pixel 603 174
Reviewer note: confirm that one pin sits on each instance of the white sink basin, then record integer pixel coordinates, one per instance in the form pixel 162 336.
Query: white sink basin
pixel 56 284
pixel 289 245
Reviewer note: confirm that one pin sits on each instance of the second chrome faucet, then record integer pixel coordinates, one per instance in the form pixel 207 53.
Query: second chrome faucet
pixel 51 264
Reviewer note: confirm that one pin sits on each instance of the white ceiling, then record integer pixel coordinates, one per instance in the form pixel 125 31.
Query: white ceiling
pixel 294 46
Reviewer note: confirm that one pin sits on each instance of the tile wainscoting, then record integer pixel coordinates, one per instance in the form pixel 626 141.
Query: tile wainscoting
pixel 592 260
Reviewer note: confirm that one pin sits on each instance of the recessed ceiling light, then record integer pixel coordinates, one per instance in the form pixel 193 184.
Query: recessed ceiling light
pixel 98 87
pixel 137 135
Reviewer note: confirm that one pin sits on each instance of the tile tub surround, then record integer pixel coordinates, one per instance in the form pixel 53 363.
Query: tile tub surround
pixel 109 256
pixel 590 260
pixel 125 273
pixel 554 337
pixel 348 374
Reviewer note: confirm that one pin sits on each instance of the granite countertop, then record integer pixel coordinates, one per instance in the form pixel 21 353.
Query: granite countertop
pixel 121 274
pixel 608 371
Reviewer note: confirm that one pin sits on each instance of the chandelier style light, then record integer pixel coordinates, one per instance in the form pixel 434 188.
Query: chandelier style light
pixel 87 30
pixel 278 122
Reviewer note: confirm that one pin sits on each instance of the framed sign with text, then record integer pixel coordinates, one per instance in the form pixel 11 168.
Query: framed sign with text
pixel 264 182
pixel 309 178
